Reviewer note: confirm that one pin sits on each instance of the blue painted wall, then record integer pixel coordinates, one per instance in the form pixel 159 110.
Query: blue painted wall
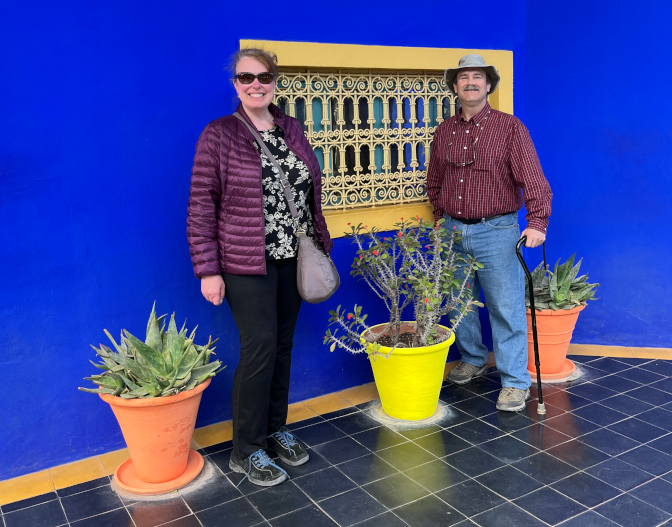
pixel 101 106
pixel 599 109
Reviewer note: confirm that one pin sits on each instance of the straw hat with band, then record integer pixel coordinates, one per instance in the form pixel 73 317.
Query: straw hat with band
pixel 472 61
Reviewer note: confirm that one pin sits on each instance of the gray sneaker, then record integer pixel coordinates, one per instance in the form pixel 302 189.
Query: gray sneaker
pixel 288 447
pixel 258 469
pixel 463 373
pixel 512 399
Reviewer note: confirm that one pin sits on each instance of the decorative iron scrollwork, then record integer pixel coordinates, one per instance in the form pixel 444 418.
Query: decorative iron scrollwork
pixel 372 132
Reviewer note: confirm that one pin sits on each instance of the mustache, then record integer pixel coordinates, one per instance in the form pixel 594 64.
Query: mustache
pixel 471 87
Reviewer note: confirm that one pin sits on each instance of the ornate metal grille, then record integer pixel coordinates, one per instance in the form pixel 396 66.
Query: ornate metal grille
pixel 372 132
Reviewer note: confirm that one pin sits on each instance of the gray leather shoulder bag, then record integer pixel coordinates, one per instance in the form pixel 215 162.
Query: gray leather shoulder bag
pixel 316 276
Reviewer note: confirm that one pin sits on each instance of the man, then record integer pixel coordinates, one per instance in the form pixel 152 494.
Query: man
pixel 481 160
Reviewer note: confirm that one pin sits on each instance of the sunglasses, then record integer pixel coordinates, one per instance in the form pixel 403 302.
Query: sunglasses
pixel 265 77
pixel 473 148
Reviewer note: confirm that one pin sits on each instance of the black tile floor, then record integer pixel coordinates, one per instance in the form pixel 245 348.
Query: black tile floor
pixel 602 456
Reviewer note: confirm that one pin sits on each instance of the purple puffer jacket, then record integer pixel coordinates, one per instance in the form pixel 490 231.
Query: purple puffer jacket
pixel 225 216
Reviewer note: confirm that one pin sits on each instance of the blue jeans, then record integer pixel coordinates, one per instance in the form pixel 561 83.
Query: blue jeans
pixel 493 244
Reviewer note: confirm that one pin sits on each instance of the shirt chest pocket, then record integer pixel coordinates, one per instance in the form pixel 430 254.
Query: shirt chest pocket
pixel 482 163
pixel 489 159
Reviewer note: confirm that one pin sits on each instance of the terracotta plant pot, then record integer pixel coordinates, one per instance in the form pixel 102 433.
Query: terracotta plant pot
pixel 409 380
pixel 158 434
pixel 554 333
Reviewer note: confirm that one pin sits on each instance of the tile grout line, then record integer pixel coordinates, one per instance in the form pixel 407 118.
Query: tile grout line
pixel 583 471
pixel 470 478
pixel 67 520
pixel 299 488
pixel 441 459
pixel 125 507
pixel 578 470
pixel 349 435
pixel 509 433
pixel 408 440
pixel 432 493
pixel 357 486
pixel 93 515
pixel 596 357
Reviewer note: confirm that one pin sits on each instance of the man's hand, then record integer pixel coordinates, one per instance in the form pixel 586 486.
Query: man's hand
pixel 212 288
pixel 534 238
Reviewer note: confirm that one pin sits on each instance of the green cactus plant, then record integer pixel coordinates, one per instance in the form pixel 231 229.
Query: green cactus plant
pixel 560 288
pixel 168 362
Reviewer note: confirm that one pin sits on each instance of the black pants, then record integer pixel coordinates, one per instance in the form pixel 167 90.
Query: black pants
pixel 265 308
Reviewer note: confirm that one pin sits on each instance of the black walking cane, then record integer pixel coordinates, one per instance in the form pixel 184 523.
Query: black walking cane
pixel 541 409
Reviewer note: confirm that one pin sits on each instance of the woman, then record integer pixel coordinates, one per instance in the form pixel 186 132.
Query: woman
pixel 243 246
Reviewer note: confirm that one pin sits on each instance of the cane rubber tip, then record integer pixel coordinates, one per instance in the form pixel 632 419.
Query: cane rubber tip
pixel 541 409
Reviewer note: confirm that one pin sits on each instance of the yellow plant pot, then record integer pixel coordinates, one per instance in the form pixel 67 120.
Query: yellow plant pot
pixel 409 380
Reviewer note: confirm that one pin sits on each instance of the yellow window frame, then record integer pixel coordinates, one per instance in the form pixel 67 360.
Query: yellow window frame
pixel 354 56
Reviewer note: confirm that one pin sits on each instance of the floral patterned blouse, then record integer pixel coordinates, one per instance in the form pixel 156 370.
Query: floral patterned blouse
pixel 281 240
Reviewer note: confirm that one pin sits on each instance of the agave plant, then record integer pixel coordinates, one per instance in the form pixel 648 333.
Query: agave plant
pixel 168 362
pixel 560 288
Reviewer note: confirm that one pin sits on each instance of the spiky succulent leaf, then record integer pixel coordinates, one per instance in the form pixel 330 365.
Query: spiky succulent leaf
pixel 203 370
pixel 123 344
pixel 174 344
pixel 131 385
pixel 137 357
pixel 553 286
pixel 114 342
pixel 195 381
pixel 153 387
pixel 190 340
pixel 133 366
pixel 152 356
pixel 102 380
pixel 169 388
pixel 561 289
pixel 563 270
pixel 538 276
pixel 161 366
pixel 188 358
pixel 98 390
pixel 563 292
pixel 163 382
pixel 153 334
pixel 186 366
pixel 100 366
pixel 586 294
pixel 182 382
pixel 100 352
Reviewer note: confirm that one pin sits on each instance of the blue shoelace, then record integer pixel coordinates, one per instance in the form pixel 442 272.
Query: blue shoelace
pixel 261 460
pixel 286 439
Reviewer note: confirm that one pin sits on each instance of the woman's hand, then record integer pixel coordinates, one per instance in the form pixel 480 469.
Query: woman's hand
pixel 212 288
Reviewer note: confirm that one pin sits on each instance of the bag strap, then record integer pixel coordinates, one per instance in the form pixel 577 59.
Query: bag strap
pixel 287 188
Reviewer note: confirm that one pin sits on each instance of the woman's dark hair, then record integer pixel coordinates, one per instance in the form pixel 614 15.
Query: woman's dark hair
pixel 267 58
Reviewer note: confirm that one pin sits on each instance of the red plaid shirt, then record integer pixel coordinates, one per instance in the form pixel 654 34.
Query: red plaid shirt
pixel 505 163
